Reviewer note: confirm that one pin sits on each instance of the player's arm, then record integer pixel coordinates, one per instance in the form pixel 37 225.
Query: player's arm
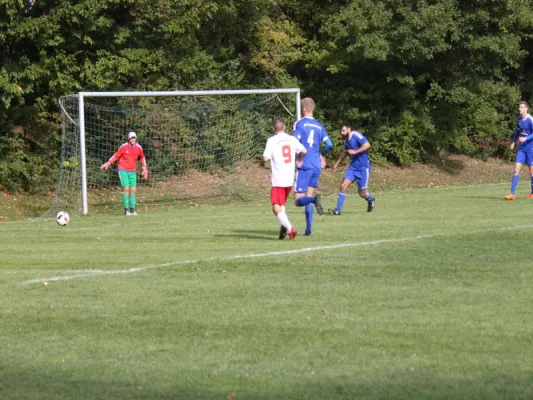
pixel 516 135
pixel 523 139
pixel 144 166
pixel 300 153
pixel 340 160
pixel 113 158
pixel 364 147
pixel 530 136
pixel 515 138
pixel 267 154
pixel 263 161
pixel 328 145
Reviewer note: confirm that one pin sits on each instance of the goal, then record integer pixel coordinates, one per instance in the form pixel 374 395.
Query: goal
pixel 192 140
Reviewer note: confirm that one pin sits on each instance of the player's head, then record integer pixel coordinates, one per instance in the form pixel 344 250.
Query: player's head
pixel 132 137
pixel 346 128
pixel 278 124
pixel 308 106
pixel 523 108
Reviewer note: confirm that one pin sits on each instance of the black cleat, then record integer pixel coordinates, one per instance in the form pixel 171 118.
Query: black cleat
pixel 318 205
pixel 282 232
pixel 370 206
pixel 334 212
pixel 307 233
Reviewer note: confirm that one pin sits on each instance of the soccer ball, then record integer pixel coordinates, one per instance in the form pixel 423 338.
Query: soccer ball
pixel 62 218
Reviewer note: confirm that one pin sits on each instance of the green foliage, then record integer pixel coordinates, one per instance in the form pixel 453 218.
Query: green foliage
pixel 418 76
pixel 26 164
pixel 426 76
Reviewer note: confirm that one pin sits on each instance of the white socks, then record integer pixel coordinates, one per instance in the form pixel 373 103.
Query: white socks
pixel 284 220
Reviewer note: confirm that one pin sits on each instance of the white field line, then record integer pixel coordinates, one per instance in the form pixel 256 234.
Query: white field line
pixel 40 271
pixel 97 272
pixel 93 273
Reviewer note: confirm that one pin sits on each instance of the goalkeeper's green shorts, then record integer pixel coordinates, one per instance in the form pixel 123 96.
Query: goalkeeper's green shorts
pixel 127 178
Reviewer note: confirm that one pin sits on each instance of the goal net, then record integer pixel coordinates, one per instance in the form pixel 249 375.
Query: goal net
pixel 197 144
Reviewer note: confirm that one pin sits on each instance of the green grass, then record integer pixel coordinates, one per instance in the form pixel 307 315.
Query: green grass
pixel 430 298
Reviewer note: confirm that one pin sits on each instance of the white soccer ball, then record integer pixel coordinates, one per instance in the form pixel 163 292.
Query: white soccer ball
pixel 62 218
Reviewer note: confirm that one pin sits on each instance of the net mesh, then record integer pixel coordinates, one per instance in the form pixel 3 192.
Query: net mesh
pixel 194 146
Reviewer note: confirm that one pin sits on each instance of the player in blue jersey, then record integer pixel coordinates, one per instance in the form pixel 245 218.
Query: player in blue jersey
pixel 523 136
pixel 355 145
pixel 312 135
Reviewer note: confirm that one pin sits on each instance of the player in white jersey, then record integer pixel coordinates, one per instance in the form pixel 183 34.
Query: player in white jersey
pixel 285 152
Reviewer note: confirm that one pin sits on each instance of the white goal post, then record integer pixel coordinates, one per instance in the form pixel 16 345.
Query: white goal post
pixel 82 96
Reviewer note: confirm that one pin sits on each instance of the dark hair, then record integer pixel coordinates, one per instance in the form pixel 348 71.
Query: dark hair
pixel 278 123
pixel 524 102
pixel 346 124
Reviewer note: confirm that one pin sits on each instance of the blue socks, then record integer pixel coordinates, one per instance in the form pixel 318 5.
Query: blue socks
pixel 303 201
pixel 308 202
pixel 340 201
pixel 309 209
pixel 514 183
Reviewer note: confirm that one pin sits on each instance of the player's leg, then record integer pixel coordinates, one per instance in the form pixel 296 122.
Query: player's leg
pixel 124 183
pixel 341 196
pixel 304 178
pixel 362 183
pixel 314 176
pixel 300 186
pixel 132 176
pixel 520 160
pixel 347 180
pixel 309 211
pixel 279 197
pixel 289 228
pixel 301 194
pixel 529 161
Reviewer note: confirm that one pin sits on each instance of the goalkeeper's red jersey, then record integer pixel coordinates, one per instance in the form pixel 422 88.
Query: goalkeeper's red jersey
pixel 127 156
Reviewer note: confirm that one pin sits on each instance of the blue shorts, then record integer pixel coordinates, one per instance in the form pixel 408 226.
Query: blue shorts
pixel 361 176
pixel 306 178
pixel 524 157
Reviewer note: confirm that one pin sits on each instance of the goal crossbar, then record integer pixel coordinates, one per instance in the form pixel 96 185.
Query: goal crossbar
pixel 81 101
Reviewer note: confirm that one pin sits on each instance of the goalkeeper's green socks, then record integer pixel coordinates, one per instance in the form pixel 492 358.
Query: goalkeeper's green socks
pixel 126 200
pixel 133 201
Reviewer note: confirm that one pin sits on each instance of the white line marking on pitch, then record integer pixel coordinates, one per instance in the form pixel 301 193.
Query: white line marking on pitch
pixel 97 272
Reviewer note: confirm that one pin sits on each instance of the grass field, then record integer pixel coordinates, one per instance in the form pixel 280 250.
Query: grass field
pixel 428 297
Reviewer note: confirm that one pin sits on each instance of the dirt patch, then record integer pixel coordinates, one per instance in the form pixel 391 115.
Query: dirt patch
pixel 443 171
pixel 434 172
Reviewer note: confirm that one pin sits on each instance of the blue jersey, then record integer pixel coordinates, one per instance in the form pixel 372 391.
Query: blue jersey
pixel 353 142
pixel 525 128
pixel 311 134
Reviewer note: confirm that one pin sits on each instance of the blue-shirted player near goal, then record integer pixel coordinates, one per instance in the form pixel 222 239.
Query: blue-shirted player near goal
pixel 523 135
pixel 355 145
pixel 311 134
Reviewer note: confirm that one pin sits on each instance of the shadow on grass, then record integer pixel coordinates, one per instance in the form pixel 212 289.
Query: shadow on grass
pixel 115 384
pixel 250 234
pixel 495 198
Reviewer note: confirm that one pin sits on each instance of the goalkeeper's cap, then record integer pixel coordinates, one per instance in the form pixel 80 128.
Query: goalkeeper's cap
pixel 132 135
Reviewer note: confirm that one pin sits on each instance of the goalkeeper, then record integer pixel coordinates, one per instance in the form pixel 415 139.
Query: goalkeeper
pixel 127 156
